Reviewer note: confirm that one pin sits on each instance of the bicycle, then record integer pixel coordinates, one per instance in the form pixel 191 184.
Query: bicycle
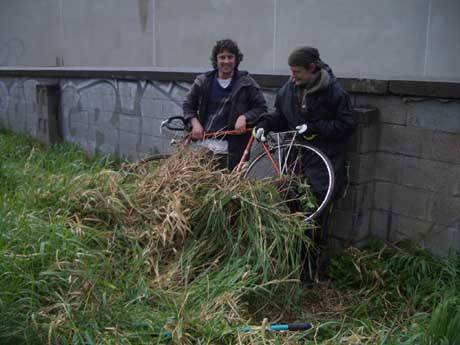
pixel 282 159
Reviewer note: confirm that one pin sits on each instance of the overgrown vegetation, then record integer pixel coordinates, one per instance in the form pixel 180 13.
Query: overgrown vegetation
pixel 95 253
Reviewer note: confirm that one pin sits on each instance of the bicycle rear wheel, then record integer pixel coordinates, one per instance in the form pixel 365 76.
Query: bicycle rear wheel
pixel 302 174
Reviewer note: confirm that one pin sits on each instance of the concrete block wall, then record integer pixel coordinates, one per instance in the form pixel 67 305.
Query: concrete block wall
pixel 416 172
pixel 405 155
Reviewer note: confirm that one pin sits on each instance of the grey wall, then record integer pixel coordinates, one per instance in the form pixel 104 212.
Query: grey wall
pixel 405 155
pixel 391 39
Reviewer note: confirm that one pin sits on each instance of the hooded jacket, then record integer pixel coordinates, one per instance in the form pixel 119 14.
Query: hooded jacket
pixel 246 99
pixel 328 115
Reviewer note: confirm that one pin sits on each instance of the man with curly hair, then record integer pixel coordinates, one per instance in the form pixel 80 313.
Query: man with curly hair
pixel 224 99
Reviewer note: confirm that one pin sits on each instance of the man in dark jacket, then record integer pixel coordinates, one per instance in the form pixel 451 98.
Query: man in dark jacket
pixel 314 104
pixel 224 99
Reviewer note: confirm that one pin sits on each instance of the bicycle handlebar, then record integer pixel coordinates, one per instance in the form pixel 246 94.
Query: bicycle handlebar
pixel 167 123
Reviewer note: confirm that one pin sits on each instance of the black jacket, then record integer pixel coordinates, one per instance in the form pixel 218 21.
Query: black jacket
pixel 246 98
pixel 329 118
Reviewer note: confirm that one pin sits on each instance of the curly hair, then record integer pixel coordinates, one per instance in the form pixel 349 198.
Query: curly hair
pixel 228 45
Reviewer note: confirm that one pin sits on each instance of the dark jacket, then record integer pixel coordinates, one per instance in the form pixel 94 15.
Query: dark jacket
pixel 246 98
pixel 329 118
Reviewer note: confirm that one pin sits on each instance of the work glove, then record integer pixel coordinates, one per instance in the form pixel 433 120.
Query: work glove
pixel 259 134
pixel 302 129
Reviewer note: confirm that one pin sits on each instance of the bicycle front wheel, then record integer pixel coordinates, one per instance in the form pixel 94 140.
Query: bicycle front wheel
pixel 302 174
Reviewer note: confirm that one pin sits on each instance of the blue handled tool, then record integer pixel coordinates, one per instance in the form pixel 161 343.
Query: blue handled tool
pixel 304 326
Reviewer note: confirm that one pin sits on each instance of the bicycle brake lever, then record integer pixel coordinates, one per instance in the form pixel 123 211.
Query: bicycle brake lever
pixel 163 124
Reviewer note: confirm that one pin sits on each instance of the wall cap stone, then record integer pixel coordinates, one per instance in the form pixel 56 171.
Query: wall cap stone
pixel 420 88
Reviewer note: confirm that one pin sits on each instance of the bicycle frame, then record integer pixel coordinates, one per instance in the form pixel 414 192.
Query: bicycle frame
pixel 278 167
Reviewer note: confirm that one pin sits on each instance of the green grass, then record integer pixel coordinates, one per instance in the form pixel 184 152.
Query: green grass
pixel 77 265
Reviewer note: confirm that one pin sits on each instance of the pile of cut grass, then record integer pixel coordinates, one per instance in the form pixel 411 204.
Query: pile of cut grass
pixel 125 255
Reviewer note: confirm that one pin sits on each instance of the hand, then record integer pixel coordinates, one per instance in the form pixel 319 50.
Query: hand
pixel 240 124
pixel 259 134
pixel 197 129
pixel 301 129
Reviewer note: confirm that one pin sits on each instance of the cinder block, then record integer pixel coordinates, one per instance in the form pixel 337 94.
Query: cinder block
pixel 403 200
pixel 151 107
pixel 358 197
pixel 370 138
pixel 365 115
pixel 151 145
pixel 171 109
pixel 80 117
pixel 127 104
pixel 434 115
pixel 416 230
pixel 178 92
pixel 151 126
pixel 446 147
pixel 441 241
pixel 456 241
pixel 389 167
pixel 109 102
pixel 383 225
pixel 392 110
pixel 128 144
pixel 446 210
pixel 362 168
pixel 130 124
pixel 406 140
pixel 432 175
pixel 79 132
pixel 342 225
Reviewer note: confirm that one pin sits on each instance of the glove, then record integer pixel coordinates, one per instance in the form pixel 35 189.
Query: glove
pixel 259 134
pixel 302 129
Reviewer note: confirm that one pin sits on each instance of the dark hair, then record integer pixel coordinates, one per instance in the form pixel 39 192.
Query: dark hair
pixel 304 56
pixel 230 46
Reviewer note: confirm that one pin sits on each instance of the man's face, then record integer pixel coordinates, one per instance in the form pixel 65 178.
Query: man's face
pixel 226 62
pixel 302 75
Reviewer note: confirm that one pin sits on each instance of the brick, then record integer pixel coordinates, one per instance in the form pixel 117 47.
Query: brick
pixel 388 167
pixel 434 115
pixel 446 147
pixel 432 175
pixel 446 210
